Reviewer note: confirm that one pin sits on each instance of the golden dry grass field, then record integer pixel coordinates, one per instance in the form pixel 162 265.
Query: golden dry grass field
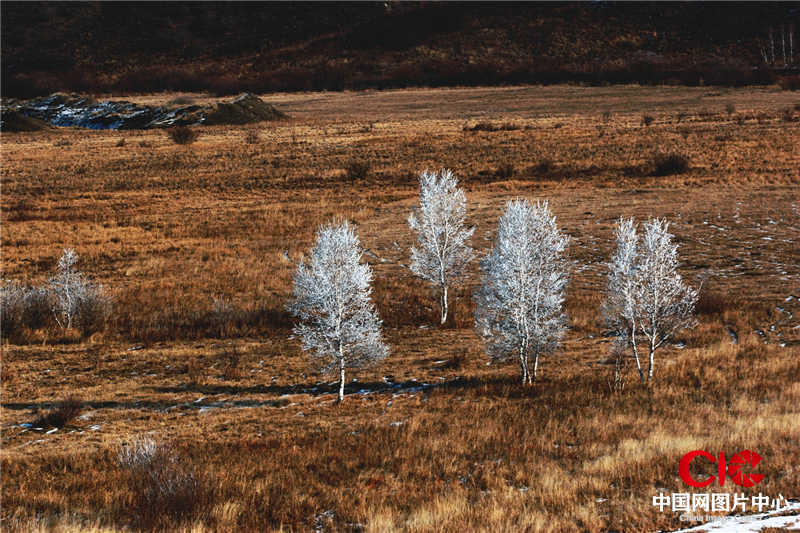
pixel 198 243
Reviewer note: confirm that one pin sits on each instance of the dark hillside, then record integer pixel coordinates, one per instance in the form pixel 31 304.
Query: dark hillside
pixel 229 47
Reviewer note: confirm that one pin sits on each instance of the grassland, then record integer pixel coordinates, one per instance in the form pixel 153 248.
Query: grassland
pixel 198 244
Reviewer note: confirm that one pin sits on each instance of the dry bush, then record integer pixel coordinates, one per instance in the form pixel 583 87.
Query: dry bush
pixel 231 363
pixel 669 164
pixel 12 309
pixel 120 143
pixel 357 169
pixel 490 127
pixel 252 137
pixel 24 308
pixel 712 303
pixel 195 370
pixel 93 310
pixel 456 362
pixel 647 120
pixel 167 491
pixel 544 167
pixel 62 414
pixel 38 308
pixel 182 134
pixel 505 170
pixel 788 115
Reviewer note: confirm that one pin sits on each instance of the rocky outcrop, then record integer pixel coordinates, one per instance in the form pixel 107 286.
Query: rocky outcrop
pixel 82 112
pixel 244 109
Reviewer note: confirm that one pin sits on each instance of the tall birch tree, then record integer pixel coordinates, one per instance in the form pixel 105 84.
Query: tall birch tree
pixel 646 299
pixel 443 251
pixel 338 323
pixel 519 306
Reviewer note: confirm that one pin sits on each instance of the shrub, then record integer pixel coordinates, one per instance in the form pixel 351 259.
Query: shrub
pixel 23 307
pixel 711 303
pixel 37 313
pixel 544 167
pixel 93 309
pixel 505 170
pixel 357 169
pixel 647 120
pixel 480 126
pixel 62 414
pixel 76 301
pixel 182 135
pixel 166 490
pixel 195 370
pixel 668 164
pixel 252 137
pixel 488 126
pixel 12 309
pixel 231 361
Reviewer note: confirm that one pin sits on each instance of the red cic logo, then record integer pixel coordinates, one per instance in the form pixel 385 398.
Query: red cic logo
pixel 731 469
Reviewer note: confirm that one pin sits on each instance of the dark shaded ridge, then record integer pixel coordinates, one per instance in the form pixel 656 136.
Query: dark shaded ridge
pixel 231 47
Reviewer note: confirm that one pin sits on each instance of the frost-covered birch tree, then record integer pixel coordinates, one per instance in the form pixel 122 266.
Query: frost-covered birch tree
pixel 620 307
pixel 666 304
pixel 442 252
pixel 646 295
pixel 76 300
pixel 519 306
pixel 67 286
pixel 338 324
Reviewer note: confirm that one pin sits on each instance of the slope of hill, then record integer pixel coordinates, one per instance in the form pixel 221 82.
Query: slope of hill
pixel 231 47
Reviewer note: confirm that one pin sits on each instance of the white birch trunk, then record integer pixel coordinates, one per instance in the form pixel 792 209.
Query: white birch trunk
pixel 444 304
pixel 341 375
